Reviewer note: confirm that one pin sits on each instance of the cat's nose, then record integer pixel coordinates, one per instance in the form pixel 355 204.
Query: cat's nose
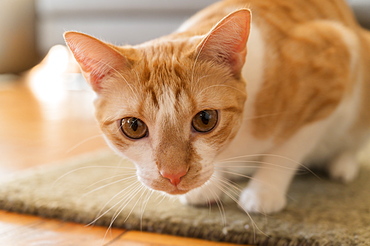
pixel 174 178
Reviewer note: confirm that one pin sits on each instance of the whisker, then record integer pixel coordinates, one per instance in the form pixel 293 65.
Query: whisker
pixel 254 167
pixel 124 205
pixel 132 195
pixel 144 205
pixel 83 142
pixel 276 156
pixel 224 187
pixel 237 174
pixel 164 196
pixel 133 188
pixel 228 86
pixel 219 203
pixel 250 166
pixel 249 178
pixel 109 184
pixel 111 177
pixel 83 168
pixel 239 189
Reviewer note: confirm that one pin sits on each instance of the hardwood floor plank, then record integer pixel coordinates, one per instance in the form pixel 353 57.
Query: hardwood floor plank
pixel 137 238
pixel 32 230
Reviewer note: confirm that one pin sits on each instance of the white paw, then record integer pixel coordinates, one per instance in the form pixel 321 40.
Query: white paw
pixel 261 200
pixel 205 195
pixel 344 168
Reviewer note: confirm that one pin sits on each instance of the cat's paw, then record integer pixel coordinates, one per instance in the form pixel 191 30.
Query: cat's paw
pixel 261 200
pixel 344 168
pixel 202 196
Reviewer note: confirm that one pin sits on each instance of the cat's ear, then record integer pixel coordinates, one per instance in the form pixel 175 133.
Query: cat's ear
pixel 226 42
pixel 96 58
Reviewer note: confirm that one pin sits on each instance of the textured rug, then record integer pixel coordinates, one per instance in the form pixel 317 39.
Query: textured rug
pixel 101 189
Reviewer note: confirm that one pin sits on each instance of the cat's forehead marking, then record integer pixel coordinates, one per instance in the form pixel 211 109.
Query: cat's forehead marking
pixel 167 104
pixel 166 85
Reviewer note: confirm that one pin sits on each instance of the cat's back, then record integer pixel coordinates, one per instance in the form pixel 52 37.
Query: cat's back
pixel 312 50
pixel 280 16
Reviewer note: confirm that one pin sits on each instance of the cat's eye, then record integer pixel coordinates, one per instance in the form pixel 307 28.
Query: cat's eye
pixel 133 128
pixel 205 120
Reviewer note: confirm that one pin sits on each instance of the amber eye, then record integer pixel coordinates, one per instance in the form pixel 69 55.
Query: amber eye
pixel 205 120
pixel 133 128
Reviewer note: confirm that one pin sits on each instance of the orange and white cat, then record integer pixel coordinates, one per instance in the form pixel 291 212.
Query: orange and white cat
pixel 227 93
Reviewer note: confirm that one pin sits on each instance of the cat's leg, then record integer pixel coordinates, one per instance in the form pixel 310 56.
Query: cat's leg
pixel 266 191
pixel 344 167
pixel 208 193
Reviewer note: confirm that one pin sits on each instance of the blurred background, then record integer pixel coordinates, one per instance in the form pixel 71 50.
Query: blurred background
pixel 29 28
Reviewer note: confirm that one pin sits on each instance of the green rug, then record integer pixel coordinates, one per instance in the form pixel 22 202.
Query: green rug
pixel 88 190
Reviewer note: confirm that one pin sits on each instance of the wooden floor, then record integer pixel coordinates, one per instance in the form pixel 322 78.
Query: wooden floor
pixel 46 117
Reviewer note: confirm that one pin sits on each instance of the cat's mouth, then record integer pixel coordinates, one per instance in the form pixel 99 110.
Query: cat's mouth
pixel 167 187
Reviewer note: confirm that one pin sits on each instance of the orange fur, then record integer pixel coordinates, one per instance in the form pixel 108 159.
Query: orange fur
pixel 315 72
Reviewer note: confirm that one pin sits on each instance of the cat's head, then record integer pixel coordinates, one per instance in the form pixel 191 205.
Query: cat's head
pixel 172 104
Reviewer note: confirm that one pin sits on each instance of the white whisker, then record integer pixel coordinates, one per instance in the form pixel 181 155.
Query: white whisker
pixel 227 86
pixel 224 187
pixel 109 184
pixel 83 142
pixel 128 199
pixel 271 155
pixel 110 178
pixel 219 203
pixel 124 205
pixel 220 165
pixel 133 188
pixel 83 168
pixel 144 205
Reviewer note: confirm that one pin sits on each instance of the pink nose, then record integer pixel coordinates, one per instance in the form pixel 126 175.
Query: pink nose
pixel 174 178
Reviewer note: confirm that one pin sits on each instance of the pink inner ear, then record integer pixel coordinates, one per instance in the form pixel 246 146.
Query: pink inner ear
pixel 226 42
pixel 96 58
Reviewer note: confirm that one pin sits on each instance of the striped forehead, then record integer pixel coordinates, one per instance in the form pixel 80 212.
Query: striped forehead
pixel 167 105
pixel 167 88
pixel 174 105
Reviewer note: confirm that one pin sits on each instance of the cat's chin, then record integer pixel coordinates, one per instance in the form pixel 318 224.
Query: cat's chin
pixel 177 192
pixel 174 191
pixel 171 192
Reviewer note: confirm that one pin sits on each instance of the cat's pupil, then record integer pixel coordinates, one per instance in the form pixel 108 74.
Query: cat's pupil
pixel 134 124
pixel 205 117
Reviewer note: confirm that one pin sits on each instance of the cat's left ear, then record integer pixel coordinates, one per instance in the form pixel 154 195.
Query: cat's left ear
pixel 226 43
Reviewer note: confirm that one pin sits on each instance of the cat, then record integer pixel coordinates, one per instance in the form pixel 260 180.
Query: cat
pixel 225 96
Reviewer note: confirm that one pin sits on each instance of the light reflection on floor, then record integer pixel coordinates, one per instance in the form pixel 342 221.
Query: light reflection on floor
pixel 54 81
pixel 46 80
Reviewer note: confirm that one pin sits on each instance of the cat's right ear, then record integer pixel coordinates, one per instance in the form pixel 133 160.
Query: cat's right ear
pixel 96 58
pixel 226 42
